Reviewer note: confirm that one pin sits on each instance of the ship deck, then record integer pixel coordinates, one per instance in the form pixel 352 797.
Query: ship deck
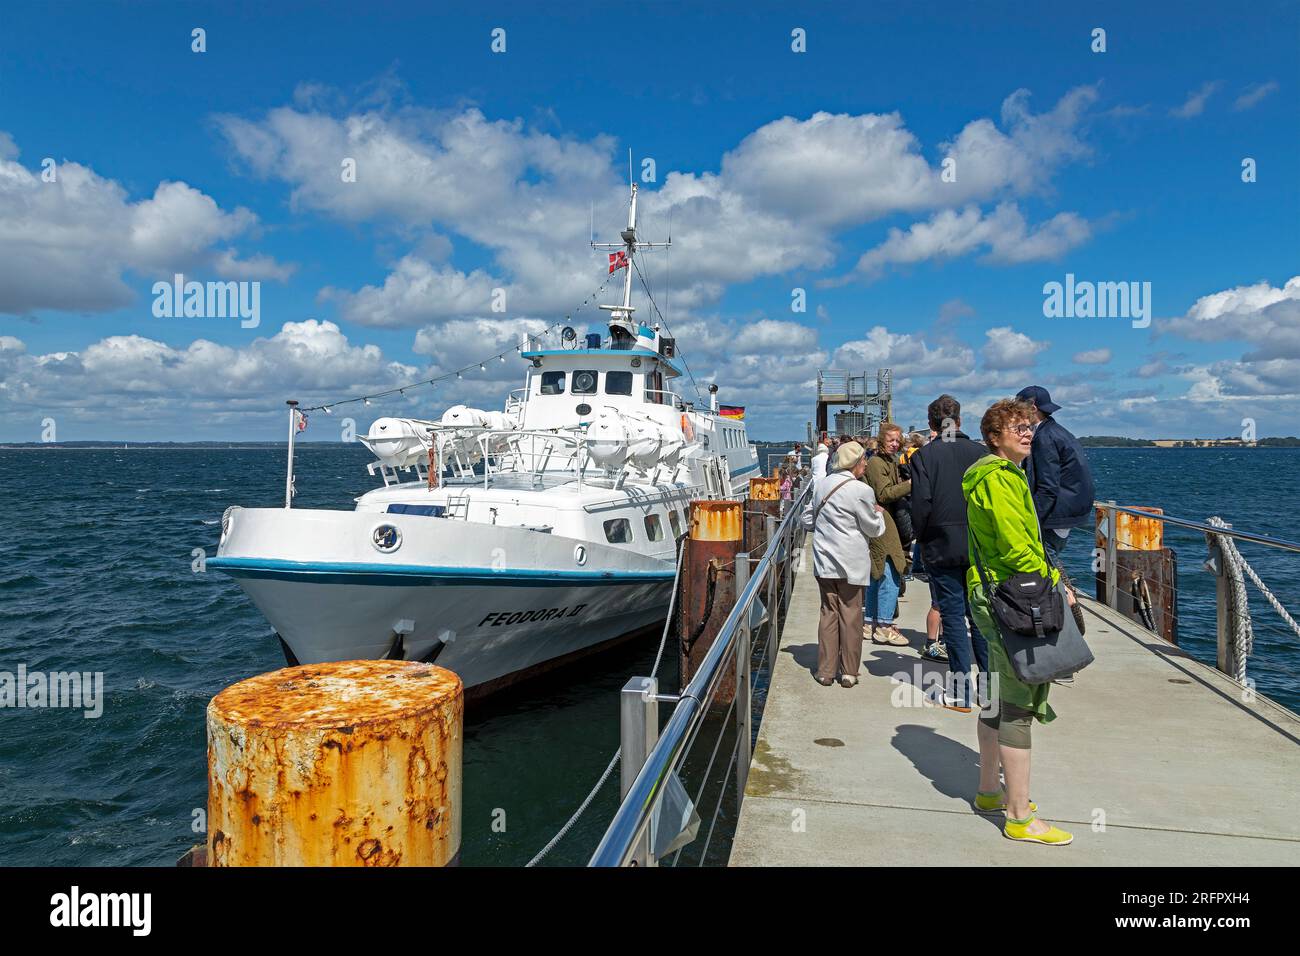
pixel 1155 759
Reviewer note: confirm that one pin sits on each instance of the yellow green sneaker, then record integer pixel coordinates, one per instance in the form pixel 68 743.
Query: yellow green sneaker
pixel 996 802
pixel 1019 830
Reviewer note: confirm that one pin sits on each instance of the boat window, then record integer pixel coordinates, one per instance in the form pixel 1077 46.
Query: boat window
pixel 584 382
pixel 552 383
pixel 654 528
pixel 654 384
pixel 676 523
pixel 618 383
pixel 618 531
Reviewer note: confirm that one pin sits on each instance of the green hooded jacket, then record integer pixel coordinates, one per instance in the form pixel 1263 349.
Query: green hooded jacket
pixel 1001 518
pixel 1000 515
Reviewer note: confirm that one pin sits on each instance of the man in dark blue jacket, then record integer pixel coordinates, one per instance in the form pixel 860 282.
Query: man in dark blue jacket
pixel 939 523
pixel 1058 473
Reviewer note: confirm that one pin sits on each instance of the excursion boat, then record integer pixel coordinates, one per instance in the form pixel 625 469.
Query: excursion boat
pixel 505 542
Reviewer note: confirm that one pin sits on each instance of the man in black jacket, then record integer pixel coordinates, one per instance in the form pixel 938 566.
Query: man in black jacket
pixel 939 523
pixel 1059 477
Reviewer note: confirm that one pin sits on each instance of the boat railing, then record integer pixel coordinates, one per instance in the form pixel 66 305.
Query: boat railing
pixel 1234 628
pixel 516 399
pixel 533 451
pixel 657 820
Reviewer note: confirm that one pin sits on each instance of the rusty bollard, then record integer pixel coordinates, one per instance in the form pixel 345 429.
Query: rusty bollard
pixel 708 585
pixel 356 763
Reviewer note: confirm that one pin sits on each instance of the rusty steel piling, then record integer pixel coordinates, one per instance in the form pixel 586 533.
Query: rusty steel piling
pixel 708 584
pixel 764 500
pixel 356 763
pixel 1146 572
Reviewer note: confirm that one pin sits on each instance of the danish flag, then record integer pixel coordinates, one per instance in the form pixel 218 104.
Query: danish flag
pixel 617 260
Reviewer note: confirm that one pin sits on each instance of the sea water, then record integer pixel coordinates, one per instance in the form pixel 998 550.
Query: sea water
pixel 98 557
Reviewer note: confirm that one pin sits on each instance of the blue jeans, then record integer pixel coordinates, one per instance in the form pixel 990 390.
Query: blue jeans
pixel 965 644
pixel 882 597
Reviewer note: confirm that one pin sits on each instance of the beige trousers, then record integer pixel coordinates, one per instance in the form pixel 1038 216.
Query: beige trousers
pixel 839 630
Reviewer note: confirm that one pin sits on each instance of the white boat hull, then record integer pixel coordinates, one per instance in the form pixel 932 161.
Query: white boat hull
pixel 483 633
pixel 496 603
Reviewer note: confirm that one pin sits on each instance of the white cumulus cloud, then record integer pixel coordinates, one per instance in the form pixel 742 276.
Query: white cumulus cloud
pixel 1003 236
pixel 70 244
pixel 1005 348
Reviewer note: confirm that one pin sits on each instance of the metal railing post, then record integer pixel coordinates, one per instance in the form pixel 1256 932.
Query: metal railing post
pixel 772 593
pixel 638 732
pixel 1225 609
pixel 743 708
pixel 1112 557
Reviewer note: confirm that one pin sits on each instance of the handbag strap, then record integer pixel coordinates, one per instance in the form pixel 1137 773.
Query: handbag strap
pixel 822 504
pixel 979 565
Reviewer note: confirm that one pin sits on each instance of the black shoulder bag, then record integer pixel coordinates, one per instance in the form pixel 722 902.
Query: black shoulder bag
pixel 1043 643
pixel 1027 603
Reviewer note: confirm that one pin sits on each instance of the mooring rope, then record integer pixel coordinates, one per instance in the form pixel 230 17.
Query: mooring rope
pixel 1243 632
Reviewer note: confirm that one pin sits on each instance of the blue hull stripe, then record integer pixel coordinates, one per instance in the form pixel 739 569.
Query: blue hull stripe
pixel 397 575
pixel 745 469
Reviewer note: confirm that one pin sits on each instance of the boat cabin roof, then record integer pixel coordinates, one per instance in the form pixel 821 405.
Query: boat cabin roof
pixel 670 367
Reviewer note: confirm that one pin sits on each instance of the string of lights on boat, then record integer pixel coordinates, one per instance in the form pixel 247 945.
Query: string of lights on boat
pixel 480 365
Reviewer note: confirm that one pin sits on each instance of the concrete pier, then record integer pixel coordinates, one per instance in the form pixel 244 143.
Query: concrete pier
pixel 1155 759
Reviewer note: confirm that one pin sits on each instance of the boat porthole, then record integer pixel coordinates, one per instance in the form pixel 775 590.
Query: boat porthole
pixel 583 409
pixel 580 554
pixel 386 538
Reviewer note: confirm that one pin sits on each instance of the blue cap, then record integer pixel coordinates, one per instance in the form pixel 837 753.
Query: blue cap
pixel 1037 396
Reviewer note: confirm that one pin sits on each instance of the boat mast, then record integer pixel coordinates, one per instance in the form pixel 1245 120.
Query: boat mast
pixel 621 315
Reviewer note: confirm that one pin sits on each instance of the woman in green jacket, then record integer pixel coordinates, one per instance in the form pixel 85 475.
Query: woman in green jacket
pixel 1004 529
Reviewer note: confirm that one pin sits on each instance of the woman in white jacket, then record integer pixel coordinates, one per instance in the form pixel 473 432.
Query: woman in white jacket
pixel 819 460
pixel 842 514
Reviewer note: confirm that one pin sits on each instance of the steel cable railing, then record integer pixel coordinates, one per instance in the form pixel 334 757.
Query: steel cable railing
pixel 629 827
pixel 1235 626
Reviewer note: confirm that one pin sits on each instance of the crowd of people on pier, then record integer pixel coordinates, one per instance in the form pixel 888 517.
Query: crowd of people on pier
pixel 960 515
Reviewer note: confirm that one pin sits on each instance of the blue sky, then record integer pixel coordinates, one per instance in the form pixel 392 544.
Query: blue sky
pixel 778 170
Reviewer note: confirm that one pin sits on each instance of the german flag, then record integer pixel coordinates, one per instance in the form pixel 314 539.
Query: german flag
pixel 732 411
